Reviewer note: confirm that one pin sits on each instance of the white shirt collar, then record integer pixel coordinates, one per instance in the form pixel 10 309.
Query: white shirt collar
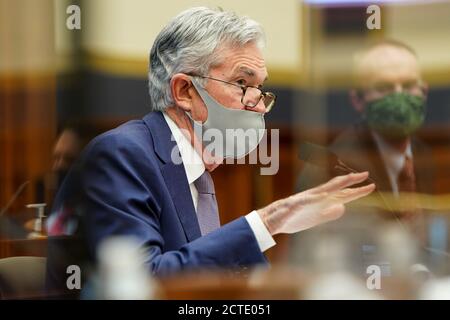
pixel 193 164
pixel 393 159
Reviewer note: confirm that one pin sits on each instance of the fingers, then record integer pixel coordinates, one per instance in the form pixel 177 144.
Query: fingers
pixel 305 198
pixel 324 199
pixel 351 194
pixel 341 182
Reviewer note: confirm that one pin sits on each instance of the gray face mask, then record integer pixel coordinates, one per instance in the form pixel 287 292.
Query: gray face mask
pixel 228 133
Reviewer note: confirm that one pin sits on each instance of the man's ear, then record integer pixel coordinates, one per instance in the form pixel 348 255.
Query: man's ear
pixel 182 91
pixel 357 100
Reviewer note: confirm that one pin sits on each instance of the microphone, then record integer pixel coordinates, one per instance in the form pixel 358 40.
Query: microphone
pixel 9 228
pixel 322 157
pixel 14 197
pixel 318 155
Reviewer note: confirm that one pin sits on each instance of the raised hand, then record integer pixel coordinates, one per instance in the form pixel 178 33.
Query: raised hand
pixel 315 206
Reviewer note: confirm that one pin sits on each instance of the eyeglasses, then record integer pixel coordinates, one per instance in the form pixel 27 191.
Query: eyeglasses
pixel 251 95
pixel 407 86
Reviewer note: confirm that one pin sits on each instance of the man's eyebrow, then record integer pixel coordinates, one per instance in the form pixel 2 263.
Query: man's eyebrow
pixel 249 72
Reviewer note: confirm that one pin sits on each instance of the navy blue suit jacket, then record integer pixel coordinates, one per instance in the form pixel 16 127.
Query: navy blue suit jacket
pixel 130 186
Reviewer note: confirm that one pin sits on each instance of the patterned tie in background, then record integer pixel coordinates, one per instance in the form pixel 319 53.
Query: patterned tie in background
pixel 407 178
pixel 411 212
pixel 207 212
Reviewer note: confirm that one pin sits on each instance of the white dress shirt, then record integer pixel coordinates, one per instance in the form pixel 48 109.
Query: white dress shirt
pixel 194 167
pixel 393 159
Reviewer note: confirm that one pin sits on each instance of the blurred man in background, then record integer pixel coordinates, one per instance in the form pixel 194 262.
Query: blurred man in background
pixel 390 95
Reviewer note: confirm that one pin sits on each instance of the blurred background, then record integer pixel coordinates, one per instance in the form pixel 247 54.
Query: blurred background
pixel 82 82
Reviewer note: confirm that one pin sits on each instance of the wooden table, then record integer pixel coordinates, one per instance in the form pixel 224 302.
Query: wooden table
pixel 23 247
pixel 277 283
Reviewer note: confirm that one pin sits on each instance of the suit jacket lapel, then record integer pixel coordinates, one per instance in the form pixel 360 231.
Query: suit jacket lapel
pixel 376 163
pixel 176 181
pixel 173 174
pixel 424 166
pixel 358 149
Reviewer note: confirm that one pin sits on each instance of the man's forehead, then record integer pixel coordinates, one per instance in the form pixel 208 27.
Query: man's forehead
pixel 246 60
pixel 388 63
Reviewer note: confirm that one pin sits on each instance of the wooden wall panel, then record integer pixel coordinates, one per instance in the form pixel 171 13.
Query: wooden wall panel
pixel 28 124
pixel 27 96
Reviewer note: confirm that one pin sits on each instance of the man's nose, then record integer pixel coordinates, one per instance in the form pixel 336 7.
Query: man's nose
pixel 254 97
pixel 398 88
pixel 260 107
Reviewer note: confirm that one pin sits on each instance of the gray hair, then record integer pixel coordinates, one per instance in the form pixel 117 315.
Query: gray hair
pixel 189 43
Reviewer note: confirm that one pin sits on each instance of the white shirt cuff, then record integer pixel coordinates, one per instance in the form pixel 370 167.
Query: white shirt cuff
pixel 262 235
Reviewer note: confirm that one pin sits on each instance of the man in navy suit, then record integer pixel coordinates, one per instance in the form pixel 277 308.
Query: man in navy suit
pixel 149 178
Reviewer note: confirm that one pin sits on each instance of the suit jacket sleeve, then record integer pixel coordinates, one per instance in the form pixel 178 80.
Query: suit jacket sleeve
pixel 121 196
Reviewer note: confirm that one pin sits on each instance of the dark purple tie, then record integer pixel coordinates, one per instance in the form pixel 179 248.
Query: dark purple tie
pixel 207 212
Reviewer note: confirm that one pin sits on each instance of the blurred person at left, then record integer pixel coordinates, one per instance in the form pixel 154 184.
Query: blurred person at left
pixel 69 142
pixel 68 146
pixel 66 150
